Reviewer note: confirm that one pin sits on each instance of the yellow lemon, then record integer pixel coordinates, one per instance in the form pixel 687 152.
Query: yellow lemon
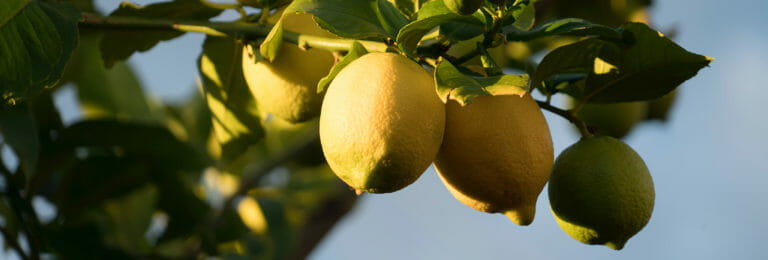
pixel 287 87
pixel 381 123
pixel 601 192
pixel 496 155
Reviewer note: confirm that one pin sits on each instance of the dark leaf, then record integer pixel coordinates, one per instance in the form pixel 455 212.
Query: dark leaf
pixel 19 130
pixel 37 41
pixel 153 141
pixel 357 19
pixel 117 45
pixel 649 68
pixel 567 26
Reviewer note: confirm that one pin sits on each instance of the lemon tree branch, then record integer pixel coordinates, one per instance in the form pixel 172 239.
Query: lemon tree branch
pixel 240 30
pixel 568 115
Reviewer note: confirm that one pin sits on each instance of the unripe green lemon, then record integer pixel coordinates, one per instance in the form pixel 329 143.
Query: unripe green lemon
pixel 463 7
pixel 381 123
pixel 659 108
pixel 615 119
pixel 601 192
pixel 287 87
pixel 496 155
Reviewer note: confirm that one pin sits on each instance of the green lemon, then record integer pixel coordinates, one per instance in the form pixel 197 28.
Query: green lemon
pixel 601 192
pixel 615 119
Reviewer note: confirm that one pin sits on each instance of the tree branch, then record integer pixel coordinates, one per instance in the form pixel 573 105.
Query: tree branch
pixel 240 30
pixel 568 115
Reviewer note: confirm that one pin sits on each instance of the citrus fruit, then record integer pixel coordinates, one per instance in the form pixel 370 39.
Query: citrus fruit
pixel 381 123
pixel 496 155
pixel 601 192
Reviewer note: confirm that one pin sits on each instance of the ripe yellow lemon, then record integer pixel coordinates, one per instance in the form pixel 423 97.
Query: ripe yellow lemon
pixel 601 192
pixel 287 87
pixel 496 155
pixel 381 123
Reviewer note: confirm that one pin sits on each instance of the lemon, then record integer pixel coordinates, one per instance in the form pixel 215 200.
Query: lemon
pixel 601 192
pixel 496 155
pixel 381 123
pixel 659 108
pixel 615 119
pixel 463 7
pixel 287 87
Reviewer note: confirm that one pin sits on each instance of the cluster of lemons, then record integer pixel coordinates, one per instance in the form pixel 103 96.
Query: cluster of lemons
pixel 382 125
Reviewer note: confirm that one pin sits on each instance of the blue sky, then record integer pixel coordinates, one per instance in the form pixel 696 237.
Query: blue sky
pixel 708 163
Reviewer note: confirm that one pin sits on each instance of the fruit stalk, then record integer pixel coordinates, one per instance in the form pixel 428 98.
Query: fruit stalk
pixel 238 30
pixel 568 115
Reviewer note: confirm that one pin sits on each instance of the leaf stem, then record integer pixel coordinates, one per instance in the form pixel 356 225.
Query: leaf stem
pixel 240 30
pixel 568 115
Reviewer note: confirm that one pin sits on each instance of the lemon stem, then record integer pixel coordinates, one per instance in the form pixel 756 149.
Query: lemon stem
pixel 568 115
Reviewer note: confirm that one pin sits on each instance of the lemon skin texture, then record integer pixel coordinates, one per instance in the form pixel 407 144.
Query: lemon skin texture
pixel 496 155
pixel 381 123
pixel 287 87
pixel 601 192
pixel 616 119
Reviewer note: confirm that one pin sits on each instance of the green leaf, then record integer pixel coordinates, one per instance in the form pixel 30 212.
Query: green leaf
pixel 410 35
pixel 271 45
pixel 357 19
pixel 90 181
pixel 130 217
pixel 19 130
pixel 452 84
pixel 234 113
pixel 576 58
pixel 390 18
pixel 458 31
pixel 407 7
pixel 355 52
pixel 37 41
pixel 522 16
pixel 111 93
pixel 649 68
pixel 568 26
pixel 117 45
pixel 153 141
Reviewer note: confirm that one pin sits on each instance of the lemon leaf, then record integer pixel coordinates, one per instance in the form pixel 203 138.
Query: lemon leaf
pixel 451 84
pixel 355 52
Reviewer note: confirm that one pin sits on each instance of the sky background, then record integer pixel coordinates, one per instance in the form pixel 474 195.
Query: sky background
pixel 708 162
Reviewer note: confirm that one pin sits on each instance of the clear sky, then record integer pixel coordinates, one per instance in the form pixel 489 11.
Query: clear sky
pixel 708 163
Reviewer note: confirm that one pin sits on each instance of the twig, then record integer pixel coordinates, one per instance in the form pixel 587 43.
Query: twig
pixel 568 115
pixel 241 30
